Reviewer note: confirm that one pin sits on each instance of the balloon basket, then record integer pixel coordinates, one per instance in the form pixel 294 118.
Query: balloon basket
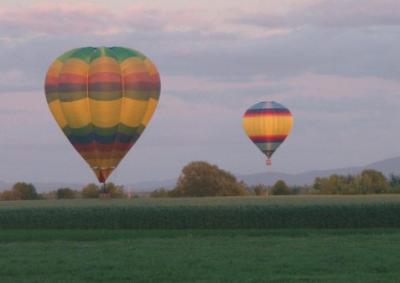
pixel 268 162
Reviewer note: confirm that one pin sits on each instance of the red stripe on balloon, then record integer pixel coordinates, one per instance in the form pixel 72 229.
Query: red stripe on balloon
pixel 105 77
pixel 72 79
pixel 103 147
pixel 267 113
pixel 50 80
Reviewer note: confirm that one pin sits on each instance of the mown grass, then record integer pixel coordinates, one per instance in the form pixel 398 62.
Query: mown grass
pixel 206 213
pixel 363 255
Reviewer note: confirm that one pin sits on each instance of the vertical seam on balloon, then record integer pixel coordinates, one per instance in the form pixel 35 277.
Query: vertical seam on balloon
pixel 95 151
pixel 120 110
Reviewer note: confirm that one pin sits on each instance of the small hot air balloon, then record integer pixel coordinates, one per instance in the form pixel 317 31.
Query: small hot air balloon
pixel 267 124
pixel 102 99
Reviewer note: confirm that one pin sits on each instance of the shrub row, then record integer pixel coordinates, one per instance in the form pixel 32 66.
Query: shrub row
pixel 204 217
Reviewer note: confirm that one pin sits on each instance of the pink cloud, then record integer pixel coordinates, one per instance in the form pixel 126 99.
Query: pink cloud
pixel 85 18
pixel 60 18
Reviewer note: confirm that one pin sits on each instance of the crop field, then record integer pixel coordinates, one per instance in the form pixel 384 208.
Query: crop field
pixel 251 239
pixel 206 213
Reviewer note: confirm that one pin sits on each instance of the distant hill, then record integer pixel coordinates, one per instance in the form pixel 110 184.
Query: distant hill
pixel 306 178
pixel 387 166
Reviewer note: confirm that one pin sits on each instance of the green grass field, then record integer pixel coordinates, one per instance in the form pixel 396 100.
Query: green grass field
pixel 200 256
pixel 298 253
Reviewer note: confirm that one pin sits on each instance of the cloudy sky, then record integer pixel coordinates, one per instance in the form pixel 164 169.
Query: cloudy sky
pixel 334 64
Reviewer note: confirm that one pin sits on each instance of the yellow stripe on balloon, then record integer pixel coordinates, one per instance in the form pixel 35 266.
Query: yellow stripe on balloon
pixel 102 161
pixel 151 107
pixel 104 64
pixel 106 163
pixel 105 114
pixel 76 113
pixel 75 67
pixel 55 68
pixel 55 109
pixel 151 68
pixel 132 111
pixel 261 126
pixel 132 65
pixel 93 162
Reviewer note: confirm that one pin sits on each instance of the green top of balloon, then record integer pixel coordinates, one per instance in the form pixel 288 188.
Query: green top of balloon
pixel 88 54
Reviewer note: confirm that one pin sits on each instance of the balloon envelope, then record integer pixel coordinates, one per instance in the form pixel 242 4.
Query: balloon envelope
pixel 267 124
pixel 102 99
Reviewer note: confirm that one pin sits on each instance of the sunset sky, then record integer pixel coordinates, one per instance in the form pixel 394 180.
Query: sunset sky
pixel 334 64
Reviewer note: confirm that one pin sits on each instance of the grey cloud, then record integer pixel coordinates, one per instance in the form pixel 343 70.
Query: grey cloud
pixel 328 13
pixel 314 50
pixel 227 57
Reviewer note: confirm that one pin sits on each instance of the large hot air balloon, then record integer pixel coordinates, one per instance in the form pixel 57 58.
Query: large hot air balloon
pixel 102 99
pixel 267 124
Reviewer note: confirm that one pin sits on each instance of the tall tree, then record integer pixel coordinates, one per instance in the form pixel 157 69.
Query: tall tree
pixel 200 179
pixel 280 188
pixel 24 191
pixel 373 181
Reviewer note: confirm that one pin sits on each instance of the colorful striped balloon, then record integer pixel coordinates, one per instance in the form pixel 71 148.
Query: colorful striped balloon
pixel 267 124
pixel 102 99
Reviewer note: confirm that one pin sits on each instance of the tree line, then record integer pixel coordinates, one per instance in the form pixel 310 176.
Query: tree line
pixel 27 191
pixel 200 179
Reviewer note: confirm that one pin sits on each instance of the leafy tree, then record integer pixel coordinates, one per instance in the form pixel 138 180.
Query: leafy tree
pixel 373 181
pixel 336 184
pixel 200 179
pixel 8 195
pixel 91 191
pixel 115 191
pixel 394 181
pixel 24 191
pixel 65 193
pixel 280 188
pixel 369 181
